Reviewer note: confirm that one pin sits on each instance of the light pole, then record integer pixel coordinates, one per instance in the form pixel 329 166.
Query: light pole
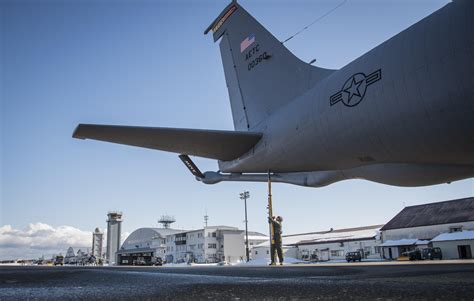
pixel 244 196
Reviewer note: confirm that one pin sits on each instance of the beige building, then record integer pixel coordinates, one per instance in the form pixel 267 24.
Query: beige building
pixel 209 245
pixel 422 226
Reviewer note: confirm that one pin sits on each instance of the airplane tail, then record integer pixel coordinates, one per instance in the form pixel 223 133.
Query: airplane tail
pixel 262 75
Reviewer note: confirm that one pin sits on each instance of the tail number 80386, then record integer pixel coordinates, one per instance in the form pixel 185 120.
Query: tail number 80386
pixel 257 60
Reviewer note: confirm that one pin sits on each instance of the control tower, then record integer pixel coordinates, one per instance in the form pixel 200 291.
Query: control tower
pixel 114 231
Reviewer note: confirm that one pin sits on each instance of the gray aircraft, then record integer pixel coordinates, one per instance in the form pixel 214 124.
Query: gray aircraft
pixel 401 114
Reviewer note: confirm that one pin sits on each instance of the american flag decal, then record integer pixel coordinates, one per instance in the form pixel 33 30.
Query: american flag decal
pixel 247 42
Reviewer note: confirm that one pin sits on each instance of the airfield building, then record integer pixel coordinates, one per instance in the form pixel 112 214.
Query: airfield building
pixel 143 246
pixel 114 231
pixel 256 238
pixel 336 243
pixel 448 225
pixel 332 244
pixel 146 246
pixel 208 245
pixel 97 241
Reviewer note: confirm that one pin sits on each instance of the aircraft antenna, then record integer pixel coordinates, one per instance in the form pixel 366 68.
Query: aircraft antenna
pixel 316 20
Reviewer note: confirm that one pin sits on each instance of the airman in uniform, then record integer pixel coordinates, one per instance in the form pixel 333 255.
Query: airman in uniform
pixel 276 240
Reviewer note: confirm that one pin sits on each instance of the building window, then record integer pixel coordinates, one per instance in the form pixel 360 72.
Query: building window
pixel 455 229
pixel 256 252
pixel 337 253
pixel 367 250
pixel 377 250
pixel 213 234
pixel 212 246
pixel 268 252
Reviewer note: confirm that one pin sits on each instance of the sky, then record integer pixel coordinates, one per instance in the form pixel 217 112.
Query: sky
pixel 148 63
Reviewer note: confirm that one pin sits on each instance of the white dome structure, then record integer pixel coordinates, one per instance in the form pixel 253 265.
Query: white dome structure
pixel 143 246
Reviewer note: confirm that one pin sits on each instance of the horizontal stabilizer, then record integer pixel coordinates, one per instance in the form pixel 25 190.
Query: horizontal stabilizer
pixel 221 145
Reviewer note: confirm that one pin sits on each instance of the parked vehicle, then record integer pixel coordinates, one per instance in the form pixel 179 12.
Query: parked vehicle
pixel 140 261
pixel 59 260
pixel 432 253
pixel 158 261
pixel 306 256
pixel 354 256
pixel 413 255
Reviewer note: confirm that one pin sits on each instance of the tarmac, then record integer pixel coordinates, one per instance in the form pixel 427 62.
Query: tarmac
pixel 425 280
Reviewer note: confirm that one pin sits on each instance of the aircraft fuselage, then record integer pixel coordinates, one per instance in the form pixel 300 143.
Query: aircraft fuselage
pixel 406 104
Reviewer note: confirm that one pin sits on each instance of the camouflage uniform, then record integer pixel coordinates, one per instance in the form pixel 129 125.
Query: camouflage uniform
pixel 276 224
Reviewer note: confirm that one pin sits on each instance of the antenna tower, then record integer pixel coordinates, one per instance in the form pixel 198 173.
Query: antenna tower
pixel 166 221
pixel 206 218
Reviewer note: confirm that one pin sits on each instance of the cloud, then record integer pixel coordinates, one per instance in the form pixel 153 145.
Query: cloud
pixel 41 239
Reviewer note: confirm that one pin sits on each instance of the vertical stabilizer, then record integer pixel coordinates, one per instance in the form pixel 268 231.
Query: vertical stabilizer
pixel 261 74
